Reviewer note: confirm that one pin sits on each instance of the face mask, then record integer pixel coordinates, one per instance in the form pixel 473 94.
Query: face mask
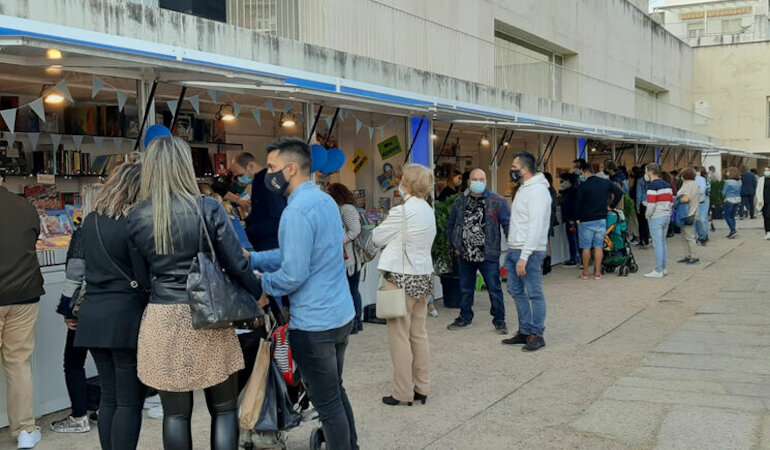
pixel 577 171
pixel 478 187
pixel 245 180
pixel 767 173
pixel 646 178
pixel 515 175
pixel 582 179
pixel 564 185
pixel 276 182
pixel 401 191
pixel 458 183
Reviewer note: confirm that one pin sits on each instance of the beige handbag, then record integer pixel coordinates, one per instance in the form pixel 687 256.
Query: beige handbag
pixel 391 299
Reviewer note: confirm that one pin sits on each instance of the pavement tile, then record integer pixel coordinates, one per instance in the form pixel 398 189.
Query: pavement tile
pixel 707 428
pixel 705 387
pixel 699 375
pixel 707 362
pixel 750 389
pixel 736 402
pixel 632 423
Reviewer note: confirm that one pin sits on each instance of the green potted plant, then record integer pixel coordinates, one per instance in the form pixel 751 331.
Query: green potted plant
pixel 717 199
pixel 444 261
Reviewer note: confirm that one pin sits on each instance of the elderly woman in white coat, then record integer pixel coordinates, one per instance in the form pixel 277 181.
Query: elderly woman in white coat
pixel 407 236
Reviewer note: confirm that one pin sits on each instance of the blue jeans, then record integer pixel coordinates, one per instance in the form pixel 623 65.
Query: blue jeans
pixel 528 292
pixel 353 280
pixel 658 231
pixel 702 225
pixel 574 245
pixel 320 357
pixel 490 270
pixel 730 210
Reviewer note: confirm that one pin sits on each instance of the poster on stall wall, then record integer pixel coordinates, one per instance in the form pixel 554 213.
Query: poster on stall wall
pixel 359 161
pixel 389 148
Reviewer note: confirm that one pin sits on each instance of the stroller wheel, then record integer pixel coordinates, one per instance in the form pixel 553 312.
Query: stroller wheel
pixel 633 268
pixel 623 271
pixel 317 439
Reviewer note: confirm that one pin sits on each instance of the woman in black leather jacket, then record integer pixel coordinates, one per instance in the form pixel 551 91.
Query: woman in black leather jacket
pixel 174 358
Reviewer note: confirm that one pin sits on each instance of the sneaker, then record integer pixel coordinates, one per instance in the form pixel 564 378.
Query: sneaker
pixel 767 236
pixel 584 276
pixel 458 324
pixel 573 263
pixel 501 328
pixel 665 272
pixel 517 339
pixel 432 311
pixel 732 235
pixel 702 242
pixel 151 402
pixel 598 276
pixel 29 440
pixel 686 259
pixel 156 412
pixel 693 261
pixel 654 274
pixel 534 343
pixel 71 425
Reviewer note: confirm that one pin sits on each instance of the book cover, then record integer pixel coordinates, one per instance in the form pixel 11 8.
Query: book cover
pixel 360 197
pixel 219 134
pixel 51 124
pixel 43 196
pixel 55 222
pixel 202 130
pixel 75 214
pixel 111 122
pixel 185 126
pixel 220 163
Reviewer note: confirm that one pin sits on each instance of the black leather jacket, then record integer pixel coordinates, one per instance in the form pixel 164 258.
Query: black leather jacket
pixel 169 272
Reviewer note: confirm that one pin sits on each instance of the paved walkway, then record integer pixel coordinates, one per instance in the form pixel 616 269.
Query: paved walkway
pixel 682 362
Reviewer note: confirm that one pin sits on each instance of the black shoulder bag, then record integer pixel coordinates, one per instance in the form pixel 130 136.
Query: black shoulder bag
pixel 215 300
pixel 131 281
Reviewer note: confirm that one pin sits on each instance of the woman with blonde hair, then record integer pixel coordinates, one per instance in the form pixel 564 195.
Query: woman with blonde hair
pixel 406 237
pixel 109 316
pixel 166 227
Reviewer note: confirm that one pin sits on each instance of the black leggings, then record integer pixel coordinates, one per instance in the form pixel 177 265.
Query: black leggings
pixel 222 401
pixel 75 375
pixel 122 398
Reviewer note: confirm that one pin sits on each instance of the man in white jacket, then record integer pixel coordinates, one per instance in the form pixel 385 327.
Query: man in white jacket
pixel 528 240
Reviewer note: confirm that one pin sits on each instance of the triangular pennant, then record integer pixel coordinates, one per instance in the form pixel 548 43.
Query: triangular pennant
pixel 9 116
pixel 78 140
pixel 38 107
pixel 358 126
pixel 62 89
pixel 328 121
pixel 98 86
pixel 343 115
pixel 371 133
pixel 56 140
pixel 118 142
pixel 195 101
pixel 270 107
pixel 382 130
pixel 99 141
pixel 287 108
pixel 122 99
pixel 258 116
pixel 33 139
pixel 236 110
pixel 172 104
pixel 391 123
pixel 10 138
pixel 214 96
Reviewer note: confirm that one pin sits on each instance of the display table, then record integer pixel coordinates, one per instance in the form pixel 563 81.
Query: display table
pixel 48 357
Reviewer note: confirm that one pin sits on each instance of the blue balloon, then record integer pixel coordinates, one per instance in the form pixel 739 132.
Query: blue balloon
pixel 335 160
pixel 155 131
pixel 319 157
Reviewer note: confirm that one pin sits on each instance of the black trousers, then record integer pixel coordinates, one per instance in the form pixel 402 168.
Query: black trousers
pixel 747 206
pixel 122 398
pixel 766 216
pixel 75 375
pixel 222 402
pixel 644 226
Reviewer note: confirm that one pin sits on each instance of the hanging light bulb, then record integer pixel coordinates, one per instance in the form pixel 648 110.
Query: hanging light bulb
pixel 288 120
pixel 433 136
pixel 506 144
pixel 226 113
pixel 54 98
pixel 53 53
pixel 484 141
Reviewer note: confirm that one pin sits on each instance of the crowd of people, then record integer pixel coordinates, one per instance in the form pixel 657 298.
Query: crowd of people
pixel 125 298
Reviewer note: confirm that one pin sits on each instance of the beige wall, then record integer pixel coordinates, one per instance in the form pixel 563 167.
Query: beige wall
pixel 735 81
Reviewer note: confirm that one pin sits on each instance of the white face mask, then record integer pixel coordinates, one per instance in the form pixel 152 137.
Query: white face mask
pixel 767 173
pixel 646 178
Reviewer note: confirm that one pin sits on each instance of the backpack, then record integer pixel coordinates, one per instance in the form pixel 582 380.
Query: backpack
pixel 363 244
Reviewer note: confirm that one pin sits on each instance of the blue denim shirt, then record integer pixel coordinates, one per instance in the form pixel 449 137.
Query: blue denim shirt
pixel 732 189
pixel 309 265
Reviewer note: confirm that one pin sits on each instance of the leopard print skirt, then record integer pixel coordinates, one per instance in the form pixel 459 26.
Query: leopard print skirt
pixel 173 357
pixel 416 286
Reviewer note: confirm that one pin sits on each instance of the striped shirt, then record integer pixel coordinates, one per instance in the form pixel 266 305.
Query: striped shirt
pixel 660 199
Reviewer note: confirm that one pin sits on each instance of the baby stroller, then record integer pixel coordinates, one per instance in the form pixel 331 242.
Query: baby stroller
pixel 618 255
pixel 286 404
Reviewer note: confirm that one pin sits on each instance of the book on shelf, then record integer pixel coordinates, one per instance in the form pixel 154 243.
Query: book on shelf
pixel 61 162
pixel 55 222
pixel 12 158
pixel 43 196
pixel 360 198
pixel 74 212
pixel 202 161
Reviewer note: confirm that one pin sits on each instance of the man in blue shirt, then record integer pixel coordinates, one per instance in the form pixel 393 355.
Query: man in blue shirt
pixel 309 267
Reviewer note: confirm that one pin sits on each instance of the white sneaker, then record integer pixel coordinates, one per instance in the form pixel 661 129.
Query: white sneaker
pixel 156 412
pixel 665 271
pixel 30 440
pixel 152 402
pixel 767 236
pixel 654 274
pixel 432 311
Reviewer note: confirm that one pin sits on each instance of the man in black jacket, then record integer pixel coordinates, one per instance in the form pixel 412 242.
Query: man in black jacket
pixel 748 190
pixel 569 215
pixel 266 207
pixel 21 285
pixel 592 198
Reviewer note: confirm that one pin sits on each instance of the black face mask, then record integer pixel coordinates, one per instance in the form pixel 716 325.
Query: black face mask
pixel 515 176
pixel 276 182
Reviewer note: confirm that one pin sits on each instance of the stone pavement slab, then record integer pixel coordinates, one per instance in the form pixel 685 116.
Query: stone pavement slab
pixel 707 428
pixel 632 423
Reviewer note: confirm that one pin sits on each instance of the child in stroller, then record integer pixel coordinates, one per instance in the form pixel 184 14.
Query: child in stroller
pixel 617 246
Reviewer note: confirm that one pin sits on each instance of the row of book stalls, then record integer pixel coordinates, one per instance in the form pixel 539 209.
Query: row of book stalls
pixel 63 126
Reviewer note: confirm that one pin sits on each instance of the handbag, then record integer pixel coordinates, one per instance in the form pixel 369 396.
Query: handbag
pixel 215 300
pixel 131 280
pixel 391 300
pixel 254 396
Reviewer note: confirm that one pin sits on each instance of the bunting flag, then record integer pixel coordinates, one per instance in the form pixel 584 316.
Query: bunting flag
pixel 122 99
pixel 97 87
pixel 33 139
pixel 9 116
pixel 236 109
pixel 287 108
pixel 118 142
pixel 195 101
pixel 358 126
pixel 62 89
pixel 78 140
pixel 38 107
pixel 99 141
pixel 391 123
pixel 10 138
pixel 270 107
pixel 371 133
pixel 328 121
pixel 345 114
pixel 257 115
pixel 172 104
pixel 56 140
pixel 382 130
pixel 214 96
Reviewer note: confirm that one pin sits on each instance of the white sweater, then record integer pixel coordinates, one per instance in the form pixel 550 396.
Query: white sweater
pixel 420 232
pixel 530 217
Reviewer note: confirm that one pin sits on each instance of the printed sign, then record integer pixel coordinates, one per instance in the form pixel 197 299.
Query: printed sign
pixel 390 147
pixel 359 161
pixel 46 179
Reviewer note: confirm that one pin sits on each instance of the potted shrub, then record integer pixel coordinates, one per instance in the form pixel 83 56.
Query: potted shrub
pixel 444 261
pixel 717 199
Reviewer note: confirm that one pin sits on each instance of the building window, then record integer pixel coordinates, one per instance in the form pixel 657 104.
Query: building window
pixel 732 26
pixel 527 68
pixel 696 29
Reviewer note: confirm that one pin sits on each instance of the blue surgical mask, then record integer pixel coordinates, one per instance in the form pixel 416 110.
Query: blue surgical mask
pixel 564 185
pixel 245 180
pixel 582 179
pixel 478 187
